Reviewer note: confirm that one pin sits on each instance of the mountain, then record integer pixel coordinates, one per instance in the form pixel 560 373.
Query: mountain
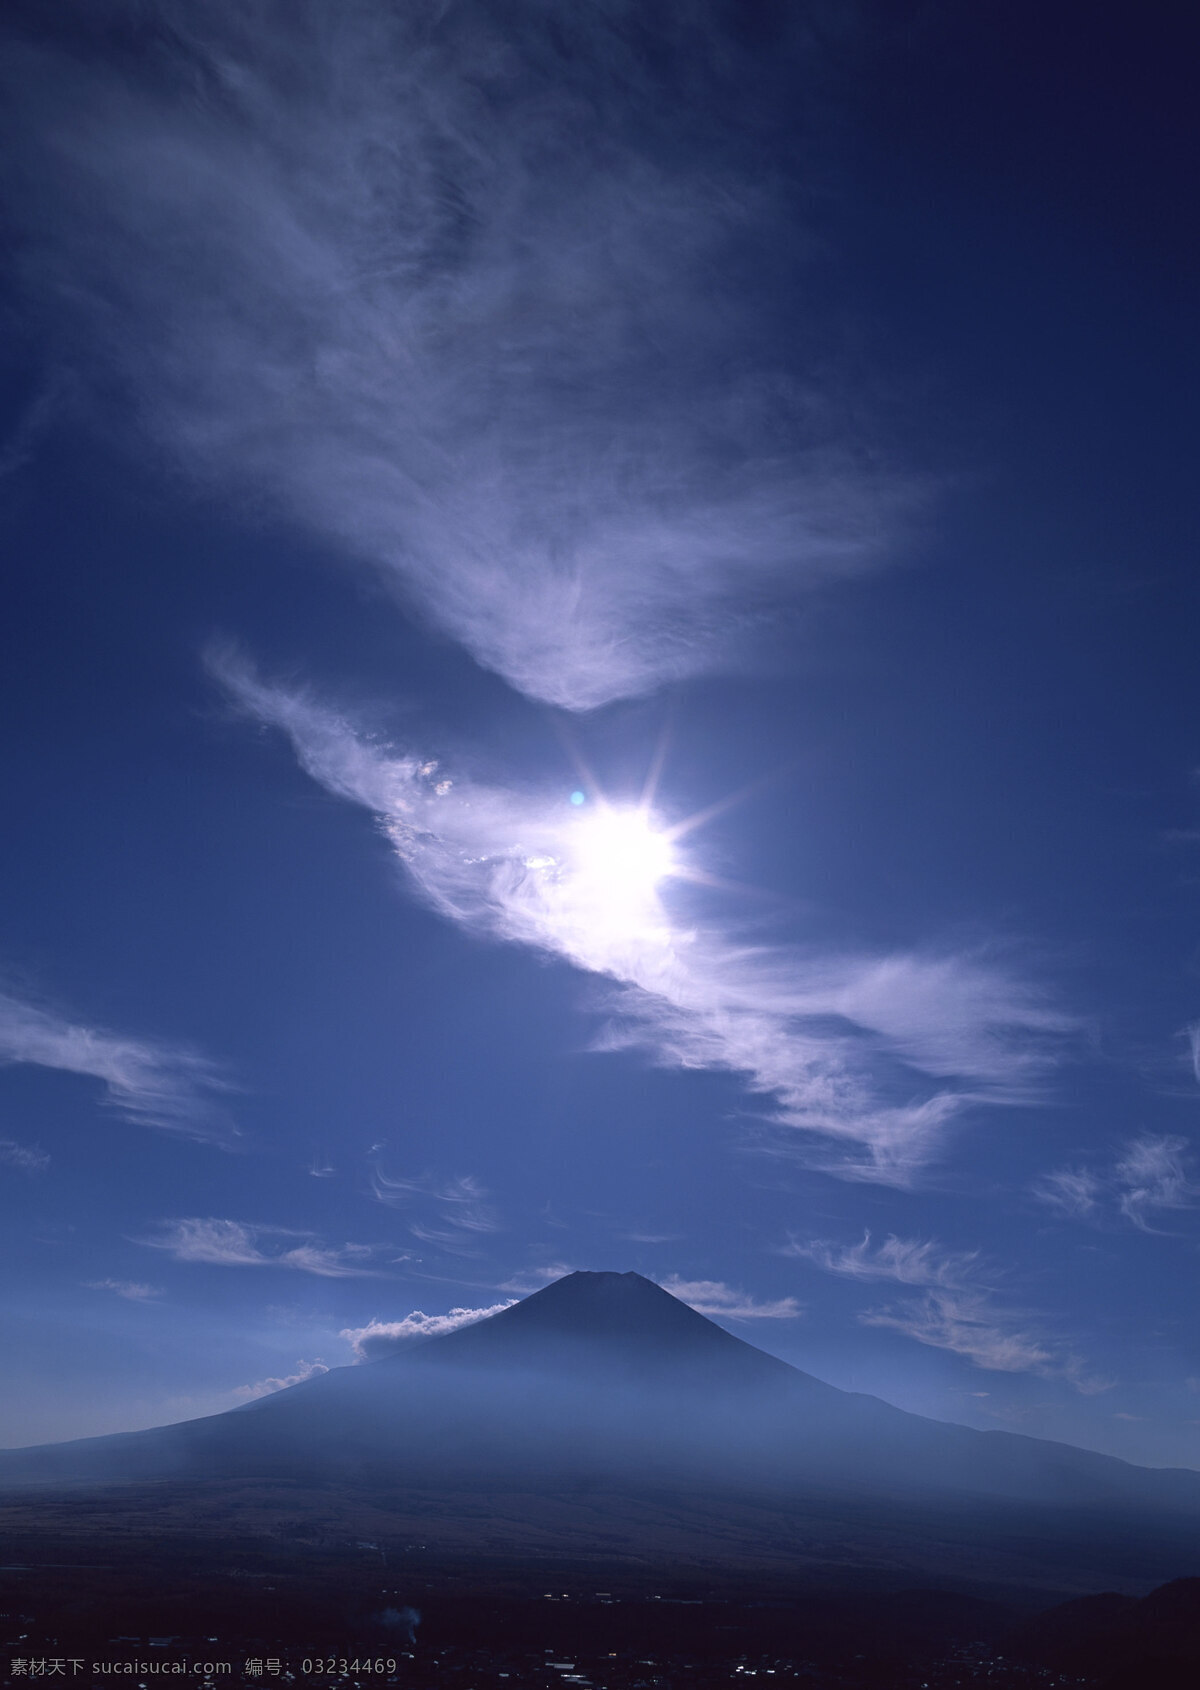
pixel 618 1323
pixel 1124 1643
pixel 604 1387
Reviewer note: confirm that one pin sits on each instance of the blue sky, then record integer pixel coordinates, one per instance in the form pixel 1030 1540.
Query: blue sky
pixel 600 659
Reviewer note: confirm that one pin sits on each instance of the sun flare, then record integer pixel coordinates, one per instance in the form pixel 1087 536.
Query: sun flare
pixel 618 859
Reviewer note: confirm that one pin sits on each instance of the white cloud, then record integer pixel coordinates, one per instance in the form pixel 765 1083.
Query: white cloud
pixel 265 1387
pixel 18 448
pixel 532 1279
pixel 425 282
pixel 154 1084
pixel 131 1290
pixel 956 1312
pixel 968 1323
pixel 26 1158
pixel 348 1261
pixel 1192 1034
pixel 713 1297
pixel 459 1207
pixel 384 1337
pixel 909 1261
pixel 1076 1191
pixel 224 1243
pixel 1149 1178
pixel 875 1054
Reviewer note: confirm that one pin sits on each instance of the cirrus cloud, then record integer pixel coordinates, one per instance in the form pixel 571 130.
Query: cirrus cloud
pixel 456 1211
pixel 956 1310
pixel 226 1243
pixel 1149 1178
pixel 26 1158
pixel 909 1261
pixel 133 1291
pixel 149 1082
pixel 967 1325
pixel 874 1055
pixel 970 1324
pixel 482 325
pixel 714 1297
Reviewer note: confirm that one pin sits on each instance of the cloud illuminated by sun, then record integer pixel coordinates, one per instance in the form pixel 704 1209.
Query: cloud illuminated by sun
pixel 596 882
pixel 881 1052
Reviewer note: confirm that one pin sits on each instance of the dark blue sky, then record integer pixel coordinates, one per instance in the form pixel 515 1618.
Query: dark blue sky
pixel 773 425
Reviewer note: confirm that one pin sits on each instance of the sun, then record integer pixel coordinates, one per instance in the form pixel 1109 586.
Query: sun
pixel 618 860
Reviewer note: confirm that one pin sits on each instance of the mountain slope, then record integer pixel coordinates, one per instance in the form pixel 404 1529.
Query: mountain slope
pixel 605 1376
pixel 618 1322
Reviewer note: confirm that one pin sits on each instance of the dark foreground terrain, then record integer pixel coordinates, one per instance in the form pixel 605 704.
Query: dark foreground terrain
pixel 97 1608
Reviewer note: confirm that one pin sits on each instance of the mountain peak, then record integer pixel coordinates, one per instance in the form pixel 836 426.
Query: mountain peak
pixel 614 1302
pixel 620 1321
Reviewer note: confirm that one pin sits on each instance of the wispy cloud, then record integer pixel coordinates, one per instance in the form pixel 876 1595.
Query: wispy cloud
pixel 1151 1176
pixel 152 1083
pixel 446 289
pixel 385 1337
pixel 714 1297
pixel 133 1291
pixel 18 447
pixel 956 1311
pixel 1074 1191
pixel 968 1323
pixel 458 1207
pixel 225 1243
pixel 908 1261
pixel 266 1387
pixel 875 1054
pixel 532 1279
pixel 1149 1179
pixel 26 1158
pixel 1192 1034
